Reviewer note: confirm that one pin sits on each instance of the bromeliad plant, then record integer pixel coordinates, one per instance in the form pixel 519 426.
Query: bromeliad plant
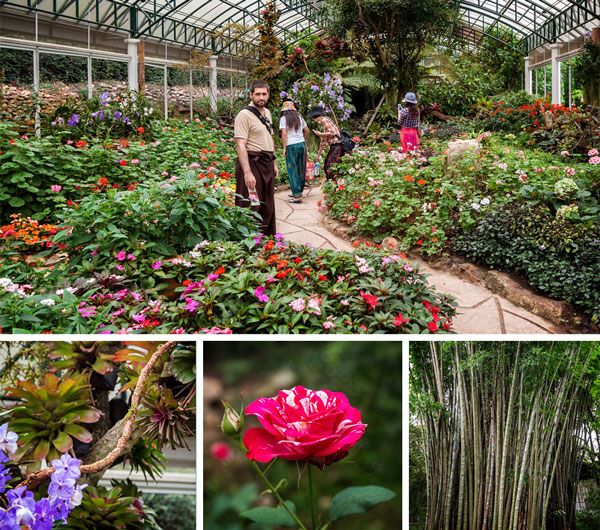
pixel 49 417
pixel 119 507
pixel 311 428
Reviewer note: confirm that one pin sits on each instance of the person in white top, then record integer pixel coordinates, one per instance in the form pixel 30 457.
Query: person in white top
pixel 294 135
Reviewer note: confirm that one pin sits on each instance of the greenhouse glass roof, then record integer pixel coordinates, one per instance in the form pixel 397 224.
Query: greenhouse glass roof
pixel 220 25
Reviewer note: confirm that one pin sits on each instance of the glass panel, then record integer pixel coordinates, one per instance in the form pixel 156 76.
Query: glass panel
pixel 179 92
pixel 16 77
pixel 64 76
pixel 109 76
pixel 155 87
pixel 201 91
pixel 565 86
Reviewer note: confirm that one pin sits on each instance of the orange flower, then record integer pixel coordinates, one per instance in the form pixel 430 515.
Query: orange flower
pixel 409 178
pixel 421 182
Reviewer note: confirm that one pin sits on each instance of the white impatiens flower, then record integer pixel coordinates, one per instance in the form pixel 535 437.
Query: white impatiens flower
pixel 47 302
pixel 485 201
pixel 475 206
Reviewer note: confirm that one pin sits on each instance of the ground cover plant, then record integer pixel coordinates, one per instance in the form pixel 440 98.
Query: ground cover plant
pixel 38 174
pixel 256 285
pixel 88 404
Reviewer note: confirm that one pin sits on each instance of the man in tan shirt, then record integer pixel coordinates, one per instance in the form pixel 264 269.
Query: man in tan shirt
pixel 256 167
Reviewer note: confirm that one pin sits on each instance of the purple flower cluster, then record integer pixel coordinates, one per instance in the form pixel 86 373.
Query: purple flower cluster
pixel 73 120
pixel 22 508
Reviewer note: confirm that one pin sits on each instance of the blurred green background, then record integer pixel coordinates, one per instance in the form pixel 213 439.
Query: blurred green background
pixel 369 373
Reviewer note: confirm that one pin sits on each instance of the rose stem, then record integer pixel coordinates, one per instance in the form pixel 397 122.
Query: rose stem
pixel 272 488
pixel 311 494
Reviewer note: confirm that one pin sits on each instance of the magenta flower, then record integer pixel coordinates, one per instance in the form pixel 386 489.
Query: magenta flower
pixel 55 187
pixel 190 305
pixel 317 427
pixel 259 292
pixel 87 312
pixel 121 255
pixel 157 264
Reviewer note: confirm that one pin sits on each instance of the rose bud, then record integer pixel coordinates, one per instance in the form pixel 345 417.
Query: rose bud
pixel 232 422
pixel 316 427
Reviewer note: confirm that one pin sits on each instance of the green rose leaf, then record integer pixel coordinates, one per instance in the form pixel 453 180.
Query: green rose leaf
pixel 271 515
pixel 358 499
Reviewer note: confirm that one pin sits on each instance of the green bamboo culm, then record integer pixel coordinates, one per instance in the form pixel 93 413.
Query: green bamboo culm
pixel 502 427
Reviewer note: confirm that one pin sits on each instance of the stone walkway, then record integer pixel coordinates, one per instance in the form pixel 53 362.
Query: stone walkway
pixel 479 310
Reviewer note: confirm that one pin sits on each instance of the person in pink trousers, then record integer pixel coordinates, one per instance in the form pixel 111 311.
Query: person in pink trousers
pixel 409 119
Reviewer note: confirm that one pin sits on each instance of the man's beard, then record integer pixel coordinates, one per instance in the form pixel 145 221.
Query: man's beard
pixel 260 103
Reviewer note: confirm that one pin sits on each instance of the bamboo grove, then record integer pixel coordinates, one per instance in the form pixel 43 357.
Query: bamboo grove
pixel 506 427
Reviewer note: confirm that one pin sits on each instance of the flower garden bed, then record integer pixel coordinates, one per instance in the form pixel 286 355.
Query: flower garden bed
pixel 142 236
pixel 433 208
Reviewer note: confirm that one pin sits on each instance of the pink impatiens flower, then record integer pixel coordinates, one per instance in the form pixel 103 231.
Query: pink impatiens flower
pixel 316 427
pixel 157 264
pixel 298 304
pixel 121 255
pixel 55 187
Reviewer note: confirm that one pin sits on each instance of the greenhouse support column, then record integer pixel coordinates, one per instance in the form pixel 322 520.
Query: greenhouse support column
pixel 166 91
pixel 89 77
pixel 191 96
pixel 132 70
pixel 527 76
pixel 36 89
pixel 555 48
pixel 141 68
pixel 212 61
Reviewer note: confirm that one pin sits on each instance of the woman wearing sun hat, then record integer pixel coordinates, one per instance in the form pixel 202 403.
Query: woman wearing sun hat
pixel 330 137
pixel 294 135
pixel 409 119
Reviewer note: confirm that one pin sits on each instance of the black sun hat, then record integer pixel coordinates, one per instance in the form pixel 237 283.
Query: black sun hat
pixel 316 112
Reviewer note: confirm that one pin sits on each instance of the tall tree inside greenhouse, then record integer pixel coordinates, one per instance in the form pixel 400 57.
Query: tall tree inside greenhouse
pixel 392 34
pixel 505 429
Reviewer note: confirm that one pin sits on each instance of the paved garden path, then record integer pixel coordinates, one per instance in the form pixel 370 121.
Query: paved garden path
pixel 479 310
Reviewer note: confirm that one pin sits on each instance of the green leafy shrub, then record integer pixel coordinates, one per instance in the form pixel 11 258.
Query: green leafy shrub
pixel 558 256
pixel 166 217
pixel 585 72
pixel 103 116
pixel 173 511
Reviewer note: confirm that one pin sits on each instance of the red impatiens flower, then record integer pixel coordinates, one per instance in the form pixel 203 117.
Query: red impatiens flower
pixel 399 320
pixel 370 299
pixel 140 129
pixel 432 327
pixel 122 163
